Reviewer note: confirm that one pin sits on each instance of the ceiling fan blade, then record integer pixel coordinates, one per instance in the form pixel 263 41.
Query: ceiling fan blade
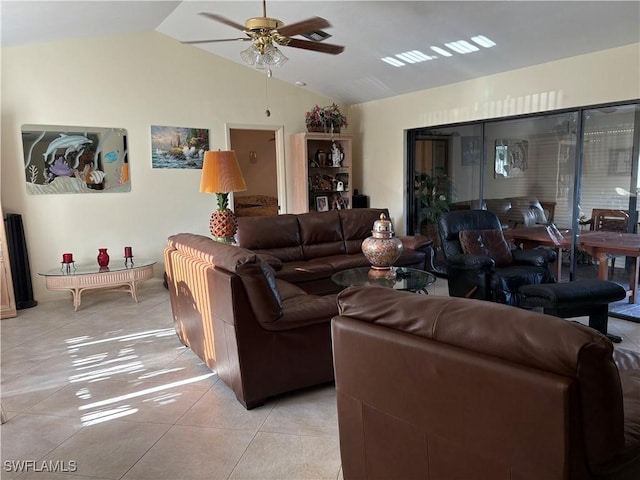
pixel 221 19
pixel 308 25
pixel 315 46
pixel 216 41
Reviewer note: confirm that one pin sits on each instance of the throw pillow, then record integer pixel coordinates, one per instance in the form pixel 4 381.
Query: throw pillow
pixel 487 242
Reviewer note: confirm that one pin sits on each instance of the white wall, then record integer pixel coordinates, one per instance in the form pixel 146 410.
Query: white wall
pixel 601 77
pixel 133 82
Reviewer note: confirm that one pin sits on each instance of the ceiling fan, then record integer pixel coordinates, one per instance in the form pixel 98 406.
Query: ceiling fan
pixel 265 33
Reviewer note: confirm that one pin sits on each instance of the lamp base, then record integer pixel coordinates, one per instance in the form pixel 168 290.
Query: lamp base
pixel 228 240
pixel 223 225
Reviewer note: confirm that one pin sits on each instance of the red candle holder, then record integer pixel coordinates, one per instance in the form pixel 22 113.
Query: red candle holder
pixel 67 263
pixel 128 256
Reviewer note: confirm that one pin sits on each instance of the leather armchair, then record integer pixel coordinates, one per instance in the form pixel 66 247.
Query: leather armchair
pixel 442 388
pixel 476 275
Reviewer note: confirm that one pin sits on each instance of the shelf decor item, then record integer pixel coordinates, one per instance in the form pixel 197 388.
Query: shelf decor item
pixel 382 249
pixel 325 119
pixel 103 257
pixel 221 175
pixel 67 263
pixel 128 256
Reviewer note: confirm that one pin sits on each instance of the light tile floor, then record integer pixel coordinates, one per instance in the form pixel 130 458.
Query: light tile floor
pixel 110 393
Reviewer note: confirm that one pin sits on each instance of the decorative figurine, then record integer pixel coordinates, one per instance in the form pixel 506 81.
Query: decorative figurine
pixel 336 155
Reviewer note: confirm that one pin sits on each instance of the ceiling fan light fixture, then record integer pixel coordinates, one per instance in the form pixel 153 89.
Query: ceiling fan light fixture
pixel 250 55
pixel 272 56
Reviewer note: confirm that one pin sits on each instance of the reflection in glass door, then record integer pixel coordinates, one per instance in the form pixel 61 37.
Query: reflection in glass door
pixel 609 185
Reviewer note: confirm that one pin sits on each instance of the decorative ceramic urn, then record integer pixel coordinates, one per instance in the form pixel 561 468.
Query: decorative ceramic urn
pixel 381 248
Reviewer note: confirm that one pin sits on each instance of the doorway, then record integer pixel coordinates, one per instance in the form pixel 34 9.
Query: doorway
pixel 260 153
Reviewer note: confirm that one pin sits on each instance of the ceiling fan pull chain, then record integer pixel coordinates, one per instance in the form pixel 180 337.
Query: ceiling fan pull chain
pixel 266 91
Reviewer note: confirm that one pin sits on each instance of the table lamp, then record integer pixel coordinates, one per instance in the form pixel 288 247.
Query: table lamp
pixel 220 175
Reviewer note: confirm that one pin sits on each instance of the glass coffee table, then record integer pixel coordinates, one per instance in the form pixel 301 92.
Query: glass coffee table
pixel 398 278
pixel 79 278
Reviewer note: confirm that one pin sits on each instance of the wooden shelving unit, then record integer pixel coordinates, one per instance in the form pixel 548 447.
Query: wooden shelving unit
pixel 319 182
pixel 7 297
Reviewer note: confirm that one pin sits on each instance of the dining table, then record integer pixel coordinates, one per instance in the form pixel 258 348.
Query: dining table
pixel 598 244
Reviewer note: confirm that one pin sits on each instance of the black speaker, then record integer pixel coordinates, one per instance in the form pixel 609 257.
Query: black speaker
pixel 19 260
pixel 360 201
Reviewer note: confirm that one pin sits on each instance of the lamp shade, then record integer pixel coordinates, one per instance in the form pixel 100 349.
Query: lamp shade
pixel 221 173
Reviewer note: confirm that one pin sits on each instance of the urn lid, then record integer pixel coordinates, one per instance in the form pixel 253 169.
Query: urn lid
pixel 382 226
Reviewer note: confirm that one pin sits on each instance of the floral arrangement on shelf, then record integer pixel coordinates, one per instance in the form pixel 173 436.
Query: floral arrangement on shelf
pixel 325 118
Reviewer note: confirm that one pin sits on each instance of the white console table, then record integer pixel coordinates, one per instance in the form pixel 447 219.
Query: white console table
pixel 86 277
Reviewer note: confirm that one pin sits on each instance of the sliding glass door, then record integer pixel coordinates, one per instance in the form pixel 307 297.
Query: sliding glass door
pixel 554 168
pixel 609 182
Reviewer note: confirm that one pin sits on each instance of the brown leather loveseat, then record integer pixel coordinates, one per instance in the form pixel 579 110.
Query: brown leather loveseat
pixel 306 249
pixel 262 336
pixel 449 388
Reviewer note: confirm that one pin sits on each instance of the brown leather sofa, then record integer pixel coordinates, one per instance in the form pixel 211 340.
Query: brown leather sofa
pixel 261 335
pixel 306 249
pixel 449 388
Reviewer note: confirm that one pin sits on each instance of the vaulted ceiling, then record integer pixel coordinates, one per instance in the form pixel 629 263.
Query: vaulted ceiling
pixel 525 33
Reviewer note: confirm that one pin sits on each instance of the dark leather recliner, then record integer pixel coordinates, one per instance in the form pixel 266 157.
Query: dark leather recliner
pixel 476 275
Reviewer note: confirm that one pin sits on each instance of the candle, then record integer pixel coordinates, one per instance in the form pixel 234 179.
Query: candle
pixel 127 252
pixel 67 257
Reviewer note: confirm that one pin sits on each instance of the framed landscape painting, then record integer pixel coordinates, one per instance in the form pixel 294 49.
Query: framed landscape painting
pixel 178 147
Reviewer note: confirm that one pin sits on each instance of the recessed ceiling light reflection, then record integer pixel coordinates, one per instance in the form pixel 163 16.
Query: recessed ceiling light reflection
pixel 442 51
pixel 413 56
pixel 483 41
pixel 462 46
pixel 392 61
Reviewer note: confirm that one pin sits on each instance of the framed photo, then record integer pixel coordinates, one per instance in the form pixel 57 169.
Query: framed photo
pixel 322 203
pixel 471 150
pixel 620 161
pixel 511 158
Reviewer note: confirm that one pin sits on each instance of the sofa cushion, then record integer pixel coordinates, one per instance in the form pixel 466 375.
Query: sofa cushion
pixel 321 234
pixel 277 235
pixel 262 291
pixel 357 225
pixel 343 262
pixel 288 290
pixel 296 272
pixel 227 257
pixel 411 258
pixel 489 242
pixel 305 310
pixel 273 261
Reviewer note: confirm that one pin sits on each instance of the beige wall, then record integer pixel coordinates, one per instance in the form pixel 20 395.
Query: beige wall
pixel 379 126
pixel 133 82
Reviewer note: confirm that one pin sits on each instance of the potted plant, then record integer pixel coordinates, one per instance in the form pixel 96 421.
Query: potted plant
pixel 433 197
pixel 325 119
